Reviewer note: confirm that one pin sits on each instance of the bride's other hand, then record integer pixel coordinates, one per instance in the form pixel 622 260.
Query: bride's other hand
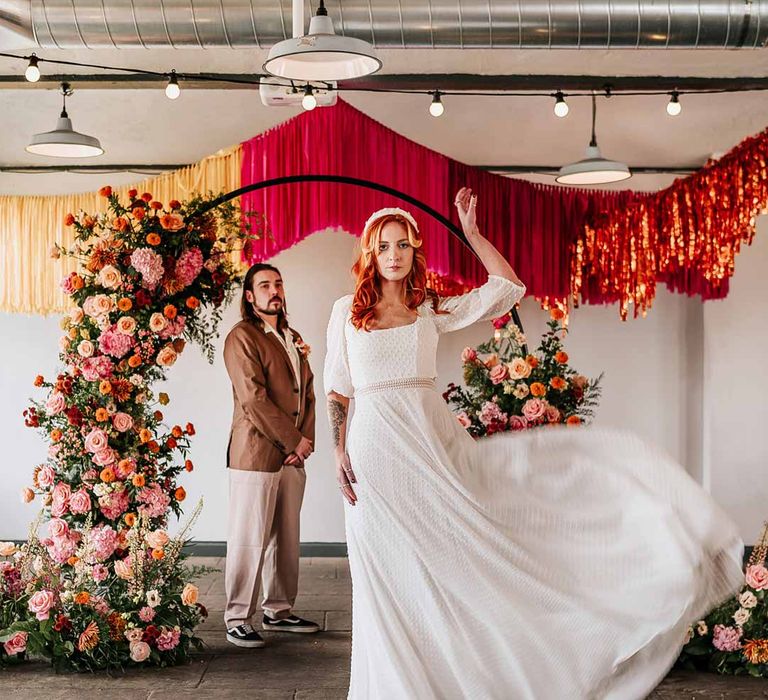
pixel 345 476
pixel 466 205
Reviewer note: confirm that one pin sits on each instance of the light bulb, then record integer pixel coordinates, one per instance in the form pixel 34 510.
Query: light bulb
pixel 309 101
pixel 172 90
pixel 33 72
pixel 561 106
pixel 673 106
pixel 436 108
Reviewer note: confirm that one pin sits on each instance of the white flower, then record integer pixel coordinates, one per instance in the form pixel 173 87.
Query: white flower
pixel 141 398
pixel 101 489
pixel 136 380
pixel 153 598
pixel 509 387
pixel 747 600
pixel 701 628
pixel 688 635
pixel 741 616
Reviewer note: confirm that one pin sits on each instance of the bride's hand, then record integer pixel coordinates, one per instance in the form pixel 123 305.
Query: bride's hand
pixel 466 204
pixel 345 476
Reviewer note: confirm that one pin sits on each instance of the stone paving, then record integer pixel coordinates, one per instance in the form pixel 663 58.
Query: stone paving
pixel 291 667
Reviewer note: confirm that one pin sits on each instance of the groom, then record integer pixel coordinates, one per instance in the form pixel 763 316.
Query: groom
pixel 273 431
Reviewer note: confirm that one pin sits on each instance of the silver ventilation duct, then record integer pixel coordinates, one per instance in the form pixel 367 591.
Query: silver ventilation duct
pixel 526 24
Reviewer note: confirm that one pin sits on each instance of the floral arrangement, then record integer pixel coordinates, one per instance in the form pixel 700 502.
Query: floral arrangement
pixel 733 638
pixel 105 586
pixel 509 389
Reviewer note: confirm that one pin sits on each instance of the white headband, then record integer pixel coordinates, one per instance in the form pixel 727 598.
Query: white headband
pixel 391 211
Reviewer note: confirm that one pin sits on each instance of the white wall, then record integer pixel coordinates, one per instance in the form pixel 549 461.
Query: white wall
pixel 654 383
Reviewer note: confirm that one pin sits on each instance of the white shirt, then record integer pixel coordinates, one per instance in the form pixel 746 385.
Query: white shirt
pixel 286 338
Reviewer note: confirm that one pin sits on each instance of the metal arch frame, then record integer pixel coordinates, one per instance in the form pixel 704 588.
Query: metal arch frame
pixel 359 182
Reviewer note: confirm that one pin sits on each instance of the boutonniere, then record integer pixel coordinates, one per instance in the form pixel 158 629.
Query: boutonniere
pixel 303 348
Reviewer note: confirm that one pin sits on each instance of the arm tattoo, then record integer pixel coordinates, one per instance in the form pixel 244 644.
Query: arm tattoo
pixel 338 416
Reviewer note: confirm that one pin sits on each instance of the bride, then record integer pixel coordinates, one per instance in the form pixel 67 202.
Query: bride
pixel 565 563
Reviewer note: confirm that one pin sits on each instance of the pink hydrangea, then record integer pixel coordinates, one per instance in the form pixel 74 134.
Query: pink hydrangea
pixel 114 504
pixel 147 614
pixel 491 413
pixel 168 639
pixel 99 367
pixel 99 573
pixel 61 549
pixel 154 500
pixel 149 265
pixel 115 344
pixel 188 266
pixel 103 541
pixel 727 638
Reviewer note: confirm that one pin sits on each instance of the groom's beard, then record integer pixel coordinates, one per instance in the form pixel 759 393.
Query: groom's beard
pixel 271 310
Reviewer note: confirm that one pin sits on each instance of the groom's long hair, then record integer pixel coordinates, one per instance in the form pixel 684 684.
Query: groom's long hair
pixel 246 307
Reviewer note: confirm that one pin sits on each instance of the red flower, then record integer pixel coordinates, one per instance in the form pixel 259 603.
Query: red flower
pixel 62 623
pixel 69 219
pixel 132 193
pixel 502 321
pixel 106 191
pixel 171 443
pixel 190 429
pixel 147 197
pixel 143 298
pixel 151 633
pixel 156 205
pixel 174 204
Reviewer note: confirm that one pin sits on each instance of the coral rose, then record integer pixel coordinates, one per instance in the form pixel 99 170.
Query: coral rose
pixel 16 644
pixel 172 222
pixel 499 373
pixel 139 651
pixel 519 368
pixel 166 357
pixel 110 277
pixel 757 577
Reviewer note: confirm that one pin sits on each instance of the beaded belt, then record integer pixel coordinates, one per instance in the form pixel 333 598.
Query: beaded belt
pixel 402 383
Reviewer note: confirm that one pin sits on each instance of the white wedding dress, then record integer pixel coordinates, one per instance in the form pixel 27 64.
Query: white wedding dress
pixel 564 563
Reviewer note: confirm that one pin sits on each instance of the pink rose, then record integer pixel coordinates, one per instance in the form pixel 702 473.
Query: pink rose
pixel 56 403
pixel 464 420
pixel 122 422
pixel 104 458
pixel 757 577
pixel 41 603
pixel 96 441
pixel 468 355
pixel 517 423
pixel 157 322
pixel 60 499
pixel 16 644
pixel 46 477
pixel 80 502
pixel 58 528
pixel 499 373
pixel 553 414
pixel 533 409
pixel 139 651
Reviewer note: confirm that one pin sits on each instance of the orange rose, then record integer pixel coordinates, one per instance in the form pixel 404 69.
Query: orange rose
pixel 532 361
pixel 180 494
pixel 573 420
pixel 558 383
pixel 138 480
pixel 130 519
pixel 107 475
pixel 170 311
pixel 134 361
pixel 171 443
pixel 158 415
pixel 193 303
pixel 153 239
pixel 69 219
pixel 102 414
pixel 82 598
pixel 145 435
pixel 105 387
pixel 556 314
pixel 77 282
pixel 153 447
pixel 138 213
pixel 176 431
pixel 120 223
pixel 158 553
pixel 106 191
pixel 125 304
pixel 561 357
pixel 55 435
pixel 188 465
pixel 39 380
pixel 89 222
pixel 538 389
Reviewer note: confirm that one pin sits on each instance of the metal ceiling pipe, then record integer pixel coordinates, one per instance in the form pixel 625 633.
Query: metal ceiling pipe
pixel 524 24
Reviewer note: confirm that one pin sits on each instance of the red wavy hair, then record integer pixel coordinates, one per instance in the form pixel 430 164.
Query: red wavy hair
pixel 368 278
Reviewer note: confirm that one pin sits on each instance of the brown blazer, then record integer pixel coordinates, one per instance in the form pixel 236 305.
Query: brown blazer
pixel 265 429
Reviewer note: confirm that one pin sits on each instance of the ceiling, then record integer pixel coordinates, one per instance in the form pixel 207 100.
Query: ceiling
pixel 143 126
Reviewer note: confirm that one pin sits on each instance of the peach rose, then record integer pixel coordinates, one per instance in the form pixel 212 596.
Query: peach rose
pixel 139 651
pixel 97 305
pixel 464 420
pixel 64 343
pixel 757 577
pixel 76 315
pixel 134 634
pixel 123 569
pixel 126 325
pixel 16 644
pixel 519 369
pixel 157 322
pixel 172 222
pixel 499 373
pixel 110 277
pixel 55 403
pixel 491 361
pixel 7 549
pixel 189 594
pixel 41 603
pixel 468 355
pixel 553 414
pixel 166 357
pixel 157 539
pixel 85 348
pixel 58 528
pixel 27 495
pixel 122 422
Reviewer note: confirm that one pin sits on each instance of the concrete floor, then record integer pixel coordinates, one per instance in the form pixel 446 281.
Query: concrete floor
pixel 300 667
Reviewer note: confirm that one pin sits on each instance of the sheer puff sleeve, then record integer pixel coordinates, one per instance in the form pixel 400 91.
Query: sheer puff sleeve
pixel 494 298
pixel 336 375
